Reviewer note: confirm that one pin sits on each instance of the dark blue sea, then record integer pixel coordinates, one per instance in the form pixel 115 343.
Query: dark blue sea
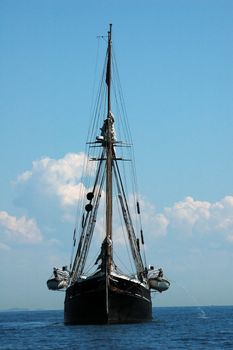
pixel 172 328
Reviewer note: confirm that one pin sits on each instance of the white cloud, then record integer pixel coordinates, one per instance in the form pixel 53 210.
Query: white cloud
pixel 152 221
pixel 50 183
pixel 192 216
pixel 22 229
pixel 55 178
pixel 187 214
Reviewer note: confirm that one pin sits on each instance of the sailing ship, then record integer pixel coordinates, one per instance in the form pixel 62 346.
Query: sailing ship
pixel 99 291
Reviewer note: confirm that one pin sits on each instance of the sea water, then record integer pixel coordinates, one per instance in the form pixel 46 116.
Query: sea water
pixel 171 328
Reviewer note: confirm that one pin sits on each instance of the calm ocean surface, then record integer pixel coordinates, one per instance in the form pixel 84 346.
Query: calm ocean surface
pixel 172 328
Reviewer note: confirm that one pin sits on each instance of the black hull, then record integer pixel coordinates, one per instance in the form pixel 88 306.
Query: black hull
pixel 99 300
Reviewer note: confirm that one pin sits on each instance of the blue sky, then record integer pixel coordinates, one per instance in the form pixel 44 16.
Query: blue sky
pixel 175 62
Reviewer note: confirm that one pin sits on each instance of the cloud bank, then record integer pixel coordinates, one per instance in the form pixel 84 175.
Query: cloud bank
pixel 22 230
pixel 56 184
pixel 192 217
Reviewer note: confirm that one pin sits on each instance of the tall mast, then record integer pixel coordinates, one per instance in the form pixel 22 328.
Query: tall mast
pixel 109 68
pixel 109 157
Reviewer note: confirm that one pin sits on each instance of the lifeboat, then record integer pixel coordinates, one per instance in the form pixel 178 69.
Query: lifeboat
pixel 159 284
pixel 156 280
pixel 59 280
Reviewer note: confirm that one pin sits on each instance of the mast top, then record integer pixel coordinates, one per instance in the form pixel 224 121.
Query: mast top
pixel 108 71
pixel 110 32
